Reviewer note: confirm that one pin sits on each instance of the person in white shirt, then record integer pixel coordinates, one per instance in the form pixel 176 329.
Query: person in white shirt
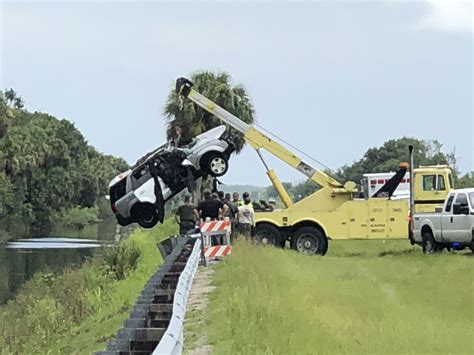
pixel 245 218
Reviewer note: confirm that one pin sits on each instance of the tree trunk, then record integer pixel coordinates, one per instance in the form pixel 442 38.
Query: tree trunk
pixel 197 193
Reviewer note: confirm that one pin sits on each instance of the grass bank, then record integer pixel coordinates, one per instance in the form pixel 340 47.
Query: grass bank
pixel 78 310
pixel 363 297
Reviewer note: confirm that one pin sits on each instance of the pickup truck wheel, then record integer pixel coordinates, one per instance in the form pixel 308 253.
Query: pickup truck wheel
pixel 429 244
pixel 267 234
pixel 310 240
pixel 146 215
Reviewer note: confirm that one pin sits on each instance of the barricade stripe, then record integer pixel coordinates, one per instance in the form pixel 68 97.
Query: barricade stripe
pixel 227 250
pixel 217 227
pixel 214 251
pixel 219 251
pixel 210 226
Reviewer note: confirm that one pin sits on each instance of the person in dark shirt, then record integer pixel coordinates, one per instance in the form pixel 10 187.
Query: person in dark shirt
pixel 186 216
pixel 209 207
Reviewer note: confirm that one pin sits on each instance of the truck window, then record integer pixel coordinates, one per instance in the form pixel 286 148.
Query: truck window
pixel 451 183
pixel 441 184
pixel 429 182
pixel 461 199
pixel 471 197
pixel 449 203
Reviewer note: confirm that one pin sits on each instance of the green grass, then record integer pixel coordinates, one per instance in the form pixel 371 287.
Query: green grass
pixel 362 297
pixel 76 312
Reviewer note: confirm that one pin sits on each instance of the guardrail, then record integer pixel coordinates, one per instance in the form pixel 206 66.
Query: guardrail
pixel 155 324
pixel 172 340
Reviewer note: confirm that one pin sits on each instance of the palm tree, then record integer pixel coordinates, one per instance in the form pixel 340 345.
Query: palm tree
pixel 194 120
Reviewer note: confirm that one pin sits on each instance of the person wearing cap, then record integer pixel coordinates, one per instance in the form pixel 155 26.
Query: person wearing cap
pixel 245 196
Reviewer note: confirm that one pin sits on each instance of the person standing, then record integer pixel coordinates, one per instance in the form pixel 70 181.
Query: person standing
pixel 235 198
pixel 245 196
pixel 246 218
pixel 226 207
pixel 209 207
pixel 233 206
pixel 186 216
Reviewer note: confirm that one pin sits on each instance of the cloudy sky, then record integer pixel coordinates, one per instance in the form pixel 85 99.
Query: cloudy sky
pixel 333 78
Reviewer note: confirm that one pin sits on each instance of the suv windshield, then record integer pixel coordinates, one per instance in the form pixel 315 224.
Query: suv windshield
pixel 471 197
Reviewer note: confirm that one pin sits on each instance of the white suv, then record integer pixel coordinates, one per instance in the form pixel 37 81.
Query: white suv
pixel 138 194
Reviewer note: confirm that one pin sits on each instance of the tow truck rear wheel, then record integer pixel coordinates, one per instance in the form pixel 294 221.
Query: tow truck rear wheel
pixel 267 234
pixel 429 244
pixel 309 240
pixel 146 215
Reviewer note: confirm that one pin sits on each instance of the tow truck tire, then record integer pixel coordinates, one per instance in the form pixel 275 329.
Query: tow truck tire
pixel 215 164
pixel 429 244
pixel 310 240
pixel 267 234
pixel 146 215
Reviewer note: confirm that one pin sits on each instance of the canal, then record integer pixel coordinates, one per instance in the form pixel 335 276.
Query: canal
pixel 21 259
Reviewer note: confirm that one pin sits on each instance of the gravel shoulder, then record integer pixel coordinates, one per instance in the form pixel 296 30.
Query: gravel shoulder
pixel 195 324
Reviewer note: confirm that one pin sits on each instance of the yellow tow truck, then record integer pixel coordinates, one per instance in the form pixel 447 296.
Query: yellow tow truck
pixel 334 211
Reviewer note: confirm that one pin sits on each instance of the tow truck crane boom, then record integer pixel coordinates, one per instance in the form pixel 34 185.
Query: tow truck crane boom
pixel 259 140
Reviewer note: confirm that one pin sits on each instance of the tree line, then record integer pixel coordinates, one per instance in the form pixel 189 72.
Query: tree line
pixel 49 174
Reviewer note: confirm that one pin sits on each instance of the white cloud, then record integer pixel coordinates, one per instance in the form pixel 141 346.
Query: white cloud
pixel 448 15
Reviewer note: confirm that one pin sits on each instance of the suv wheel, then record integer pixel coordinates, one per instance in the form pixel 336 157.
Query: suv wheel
pixel 146 215
pixel 215 164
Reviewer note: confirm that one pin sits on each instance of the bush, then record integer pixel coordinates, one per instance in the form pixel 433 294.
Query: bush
pixel 120 260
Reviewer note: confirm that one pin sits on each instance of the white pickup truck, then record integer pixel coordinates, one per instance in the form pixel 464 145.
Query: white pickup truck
pixel 452 227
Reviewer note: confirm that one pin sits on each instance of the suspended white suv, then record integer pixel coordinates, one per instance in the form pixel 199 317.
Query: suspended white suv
pixel 139 194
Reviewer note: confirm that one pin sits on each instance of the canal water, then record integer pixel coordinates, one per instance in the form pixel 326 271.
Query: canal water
pixel 21 259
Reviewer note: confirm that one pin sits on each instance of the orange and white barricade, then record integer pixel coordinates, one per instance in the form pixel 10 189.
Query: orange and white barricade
pixel 216 238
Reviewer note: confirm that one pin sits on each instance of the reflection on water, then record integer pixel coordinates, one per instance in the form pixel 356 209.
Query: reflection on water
pixel 20 259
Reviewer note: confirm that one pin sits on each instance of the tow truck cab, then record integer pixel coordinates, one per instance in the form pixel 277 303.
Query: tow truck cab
pixel 431 185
